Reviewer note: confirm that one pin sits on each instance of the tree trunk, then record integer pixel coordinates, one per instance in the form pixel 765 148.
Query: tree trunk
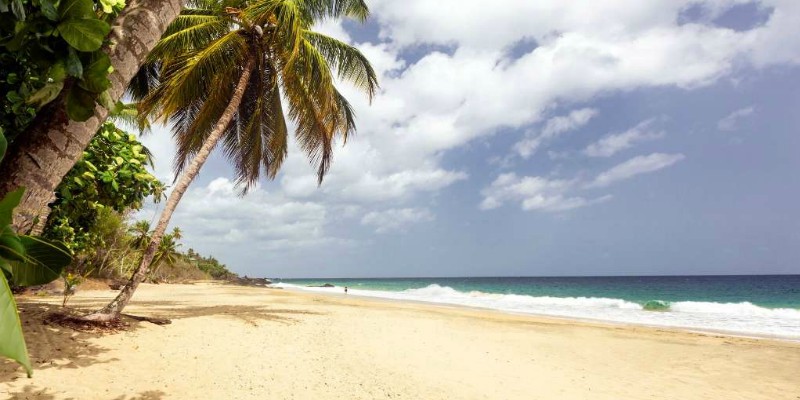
pixel 114 308
pixel 41 156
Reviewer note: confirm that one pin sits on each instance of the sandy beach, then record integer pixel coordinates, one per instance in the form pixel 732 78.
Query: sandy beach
pixel 231 342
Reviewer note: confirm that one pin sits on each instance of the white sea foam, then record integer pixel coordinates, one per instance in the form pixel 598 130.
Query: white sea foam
pixel 736 318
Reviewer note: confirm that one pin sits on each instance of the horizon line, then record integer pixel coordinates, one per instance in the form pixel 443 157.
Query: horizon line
pixel 545 276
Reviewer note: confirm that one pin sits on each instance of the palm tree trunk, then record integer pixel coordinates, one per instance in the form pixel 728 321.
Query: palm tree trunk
pixel 114 309
pixel 41 156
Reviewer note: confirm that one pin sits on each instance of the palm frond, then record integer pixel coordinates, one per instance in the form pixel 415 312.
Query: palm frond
pixel 314 132
pixel 186 77
pixel 190 78
pixel 324 9
pixel 260 139
pixel 348 61
pixel 284 20
pixel 145 80
pixel 189 33
pixel 194 122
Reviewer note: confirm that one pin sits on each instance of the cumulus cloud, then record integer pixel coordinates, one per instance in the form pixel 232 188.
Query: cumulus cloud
pixel 731 121
pixel 611 144
pixel 215 215
pixel 636 166
pixel 554 127
pixel 396 219
pixel 534 193
pixel 444 101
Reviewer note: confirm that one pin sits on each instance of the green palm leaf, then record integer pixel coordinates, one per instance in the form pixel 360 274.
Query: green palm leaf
pixel 191 76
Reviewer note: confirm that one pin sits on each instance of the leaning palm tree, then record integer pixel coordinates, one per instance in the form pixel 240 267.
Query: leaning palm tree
pixel 224 70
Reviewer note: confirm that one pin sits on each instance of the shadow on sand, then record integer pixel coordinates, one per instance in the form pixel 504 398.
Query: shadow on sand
pixel 54 346
pixel 29 392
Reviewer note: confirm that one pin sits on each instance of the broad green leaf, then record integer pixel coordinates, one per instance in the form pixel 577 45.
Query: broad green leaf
pixel 80 104
pixel 3 144
pixel 49 9
pixel 95 74
pixel 76 9
pixel 12 342
pixel 5 266
pixel 11 248
pixel 89 165
pixel 46 94
pixel 44 262
pixel 57 72
pixel 74 65
pixel 84 34
pixel 8 204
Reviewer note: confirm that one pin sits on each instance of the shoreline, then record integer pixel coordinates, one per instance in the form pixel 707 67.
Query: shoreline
pixel 286 344
pixel 596 321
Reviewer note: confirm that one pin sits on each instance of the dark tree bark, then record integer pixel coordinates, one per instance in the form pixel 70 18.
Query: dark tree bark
pixel 113 310
pixel 41 156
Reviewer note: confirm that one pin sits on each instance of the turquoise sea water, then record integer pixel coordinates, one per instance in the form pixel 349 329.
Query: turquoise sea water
pixel 762 305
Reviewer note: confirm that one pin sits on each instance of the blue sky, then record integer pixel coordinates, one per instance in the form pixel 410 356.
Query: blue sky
pixel 552 138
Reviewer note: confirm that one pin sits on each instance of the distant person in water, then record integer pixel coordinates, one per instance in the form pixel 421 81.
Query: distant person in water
pixel 345 290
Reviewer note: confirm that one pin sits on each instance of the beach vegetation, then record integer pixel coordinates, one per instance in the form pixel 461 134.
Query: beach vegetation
pixel 93 209
pixel 112 176
pixel 58 84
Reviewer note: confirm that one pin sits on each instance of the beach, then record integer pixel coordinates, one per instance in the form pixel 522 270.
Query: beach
pixel 235 342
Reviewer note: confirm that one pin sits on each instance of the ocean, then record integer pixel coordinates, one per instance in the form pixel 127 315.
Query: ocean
pixel 751 305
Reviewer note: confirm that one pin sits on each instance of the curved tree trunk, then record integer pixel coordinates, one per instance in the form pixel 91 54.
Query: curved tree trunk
pixel 41 156
pixel 114 309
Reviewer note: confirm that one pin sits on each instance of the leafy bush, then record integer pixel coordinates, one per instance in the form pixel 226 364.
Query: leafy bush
pixel 111 175
pixel 50 46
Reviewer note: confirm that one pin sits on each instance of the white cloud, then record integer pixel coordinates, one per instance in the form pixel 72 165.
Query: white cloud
pixel 215 216
pixel 554 127
pixel 535 193
pixel 445 101
pixel 396 219
pixel 731 121
pixel 636 166
pixel 611 144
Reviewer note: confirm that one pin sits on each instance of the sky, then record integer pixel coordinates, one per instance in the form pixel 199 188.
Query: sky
pixel 536 138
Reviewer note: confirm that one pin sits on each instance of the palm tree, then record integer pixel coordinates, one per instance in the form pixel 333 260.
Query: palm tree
pixel 177 233
pixel 223 71
pixel 167 252
pixel 141 234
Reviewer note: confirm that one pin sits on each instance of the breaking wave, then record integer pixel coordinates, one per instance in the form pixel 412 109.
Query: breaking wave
pixel 740 318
